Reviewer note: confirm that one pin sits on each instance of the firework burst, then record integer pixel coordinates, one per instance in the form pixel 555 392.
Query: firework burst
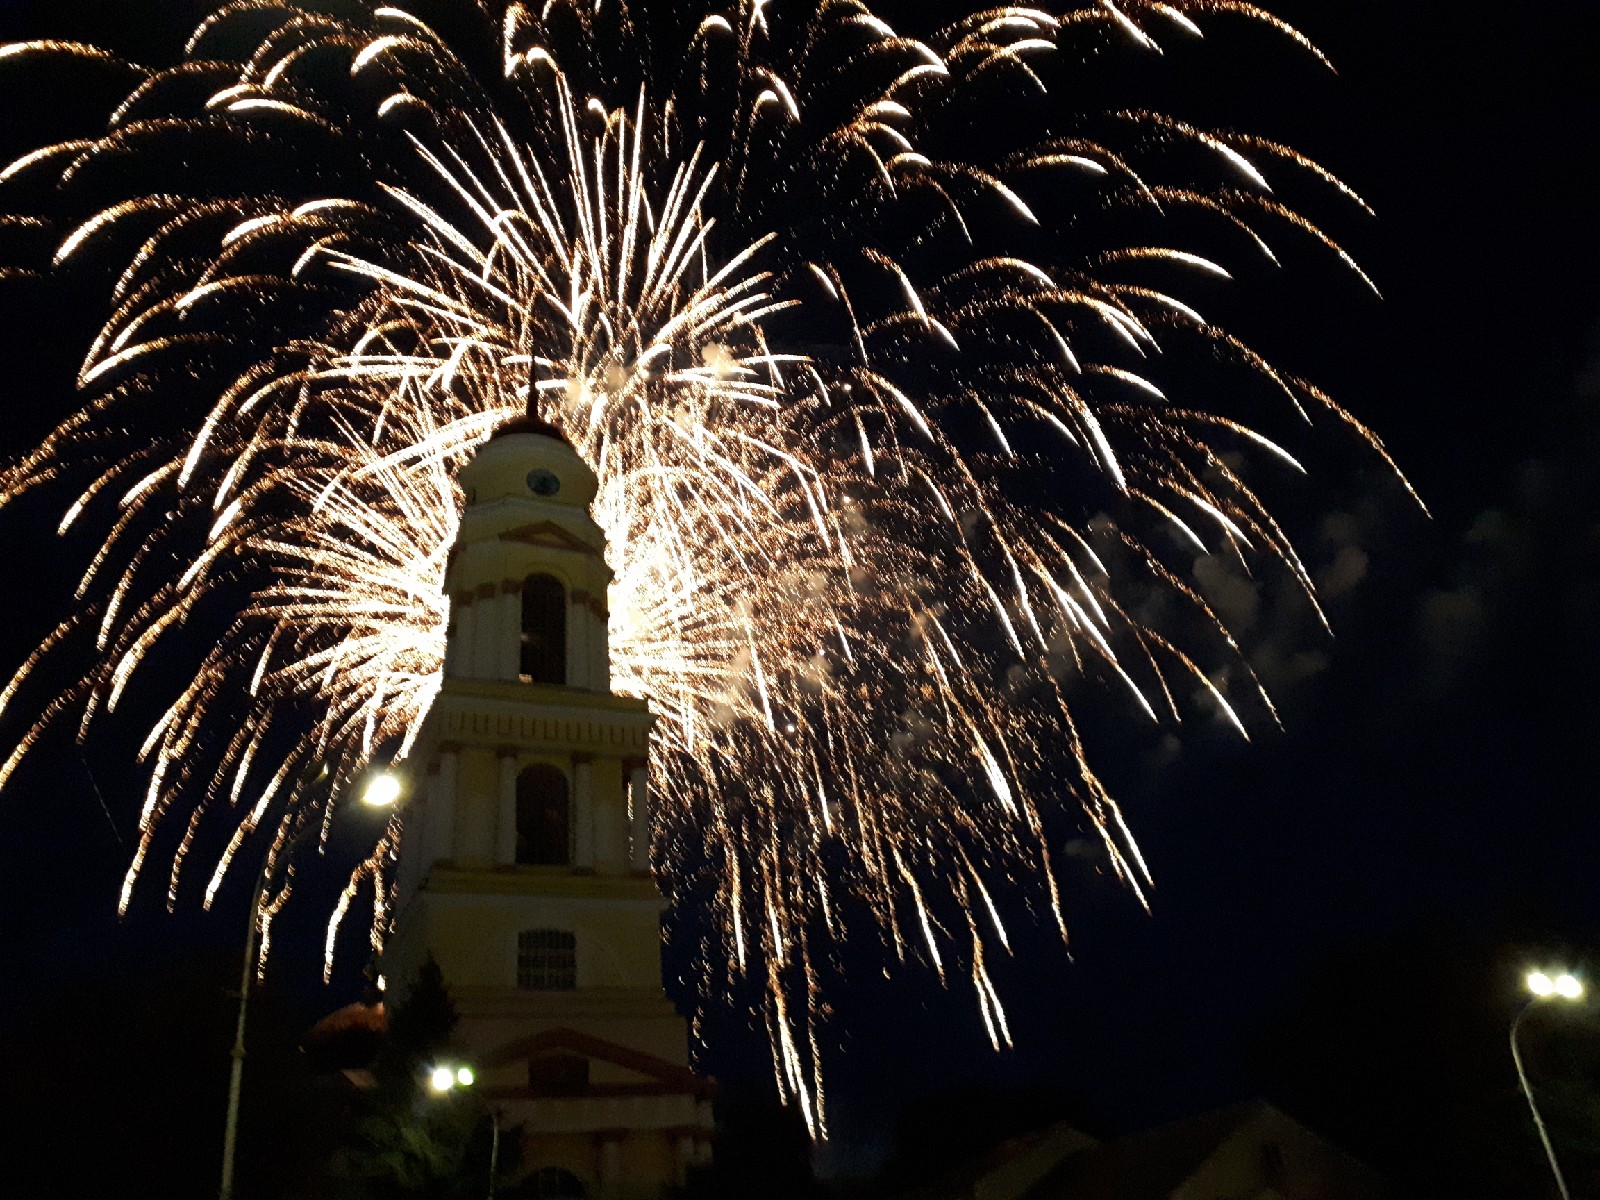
pixel 879 408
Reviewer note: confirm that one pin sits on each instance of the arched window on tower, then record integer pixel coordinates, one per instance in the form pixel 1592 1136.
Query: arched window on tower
pixel 544 630
pixel 544 817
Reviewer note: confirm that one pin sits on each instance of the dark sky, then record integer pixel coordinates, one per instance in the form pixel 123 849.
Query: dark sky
pixel 1366 879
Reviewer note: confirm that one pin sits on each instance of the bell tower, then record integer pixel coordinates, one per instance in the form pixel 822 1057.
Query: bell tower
pixel 526 866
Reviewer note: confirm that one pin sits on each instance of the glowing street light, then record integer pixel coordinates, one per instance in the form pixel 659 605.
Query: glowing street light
pixel 382 790
pixel 444 1077
pixel 1542 987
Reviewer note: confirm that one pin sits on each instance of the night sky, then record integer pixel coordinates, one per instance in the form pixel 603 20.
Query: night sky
pixel 1341 907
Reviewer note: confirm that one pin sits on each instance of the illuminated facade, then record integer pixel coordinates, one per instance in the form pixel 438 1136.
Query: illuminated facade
pixel 526 870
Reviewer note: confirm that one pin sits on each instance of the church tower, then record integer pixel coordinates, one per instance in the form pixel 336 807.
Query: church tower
pixel 526 866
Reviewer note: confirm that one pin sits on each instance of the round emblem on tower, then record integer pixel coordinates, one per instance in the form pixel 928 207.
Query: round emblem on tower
pixel 543 483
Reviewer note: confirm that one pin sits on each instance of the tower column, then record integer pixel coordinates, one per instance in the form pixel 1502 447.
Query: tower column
pixel 592 645
pixel 458 646
pixel 583 811
pixel 702 1144
pixel 610 1164
pixel 484 641
pixel 578 639
pixel 509 607
pixel 639 814
pixel 420 836
pixel 505 826
pixel 445 836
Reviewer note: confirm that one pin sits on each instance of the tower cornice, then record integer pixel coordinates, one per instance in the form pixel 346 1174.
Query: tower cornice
pixel 494 714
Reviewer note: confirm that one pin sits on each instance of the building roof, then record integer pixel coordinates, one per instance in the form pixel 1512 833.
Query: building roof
pixel 346 1038
pixel 527 422
pixel 1248 1149
pixel 1150 1164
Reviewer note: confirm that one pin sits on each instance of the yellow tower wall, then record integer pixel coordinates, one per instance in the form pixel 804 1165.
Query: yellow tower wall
pixel 637 1116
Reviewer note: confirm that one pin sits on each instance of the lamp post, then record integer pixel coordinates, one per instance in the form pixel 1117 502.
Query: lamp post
pixel 445 1078
pixel 381 791
pixel 1543 987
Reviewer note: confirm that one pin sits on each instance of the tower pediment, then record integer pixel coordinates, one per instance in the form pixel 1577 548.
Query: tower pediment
pixel 550 536
pixel 643 1072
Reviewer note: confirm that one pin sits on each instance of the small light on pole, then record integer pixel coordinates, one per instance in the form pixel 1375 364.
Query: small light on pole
pixel 442 1079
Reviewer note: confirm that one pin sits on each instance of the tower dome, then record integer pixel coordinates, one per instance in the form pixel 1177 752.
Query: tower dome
pixel 526 457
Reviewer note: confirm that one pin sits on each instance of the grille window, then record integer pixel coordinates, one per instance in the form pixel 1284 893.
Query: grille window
pixel 547 960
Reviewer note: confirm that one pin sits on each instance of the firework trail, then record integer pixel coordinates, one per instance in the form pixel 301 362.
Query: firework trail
pixel 879 407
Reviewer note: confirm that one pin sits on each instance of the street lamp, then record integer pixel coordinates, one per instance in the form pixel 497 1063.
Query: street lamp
pixel 445 1078
pixel 381 791
pixel 1543 986
pixel 230 1133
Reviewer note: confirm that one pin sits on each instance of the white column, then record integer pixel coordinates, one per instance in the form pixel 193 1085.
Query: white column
pixel 611 837
pixel 583 812
pixel 639 817
pixel 413 841
pixel 416 848
pixel 485 640
pixel 505 841
pixel 599 654
pixel 444 834
pixel 594 671
pixel 458 646
pixel 685 1148
pixel 596 665
pixel 509 606
pixel 577 647
pixel 610 1167
pixel 702 1144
